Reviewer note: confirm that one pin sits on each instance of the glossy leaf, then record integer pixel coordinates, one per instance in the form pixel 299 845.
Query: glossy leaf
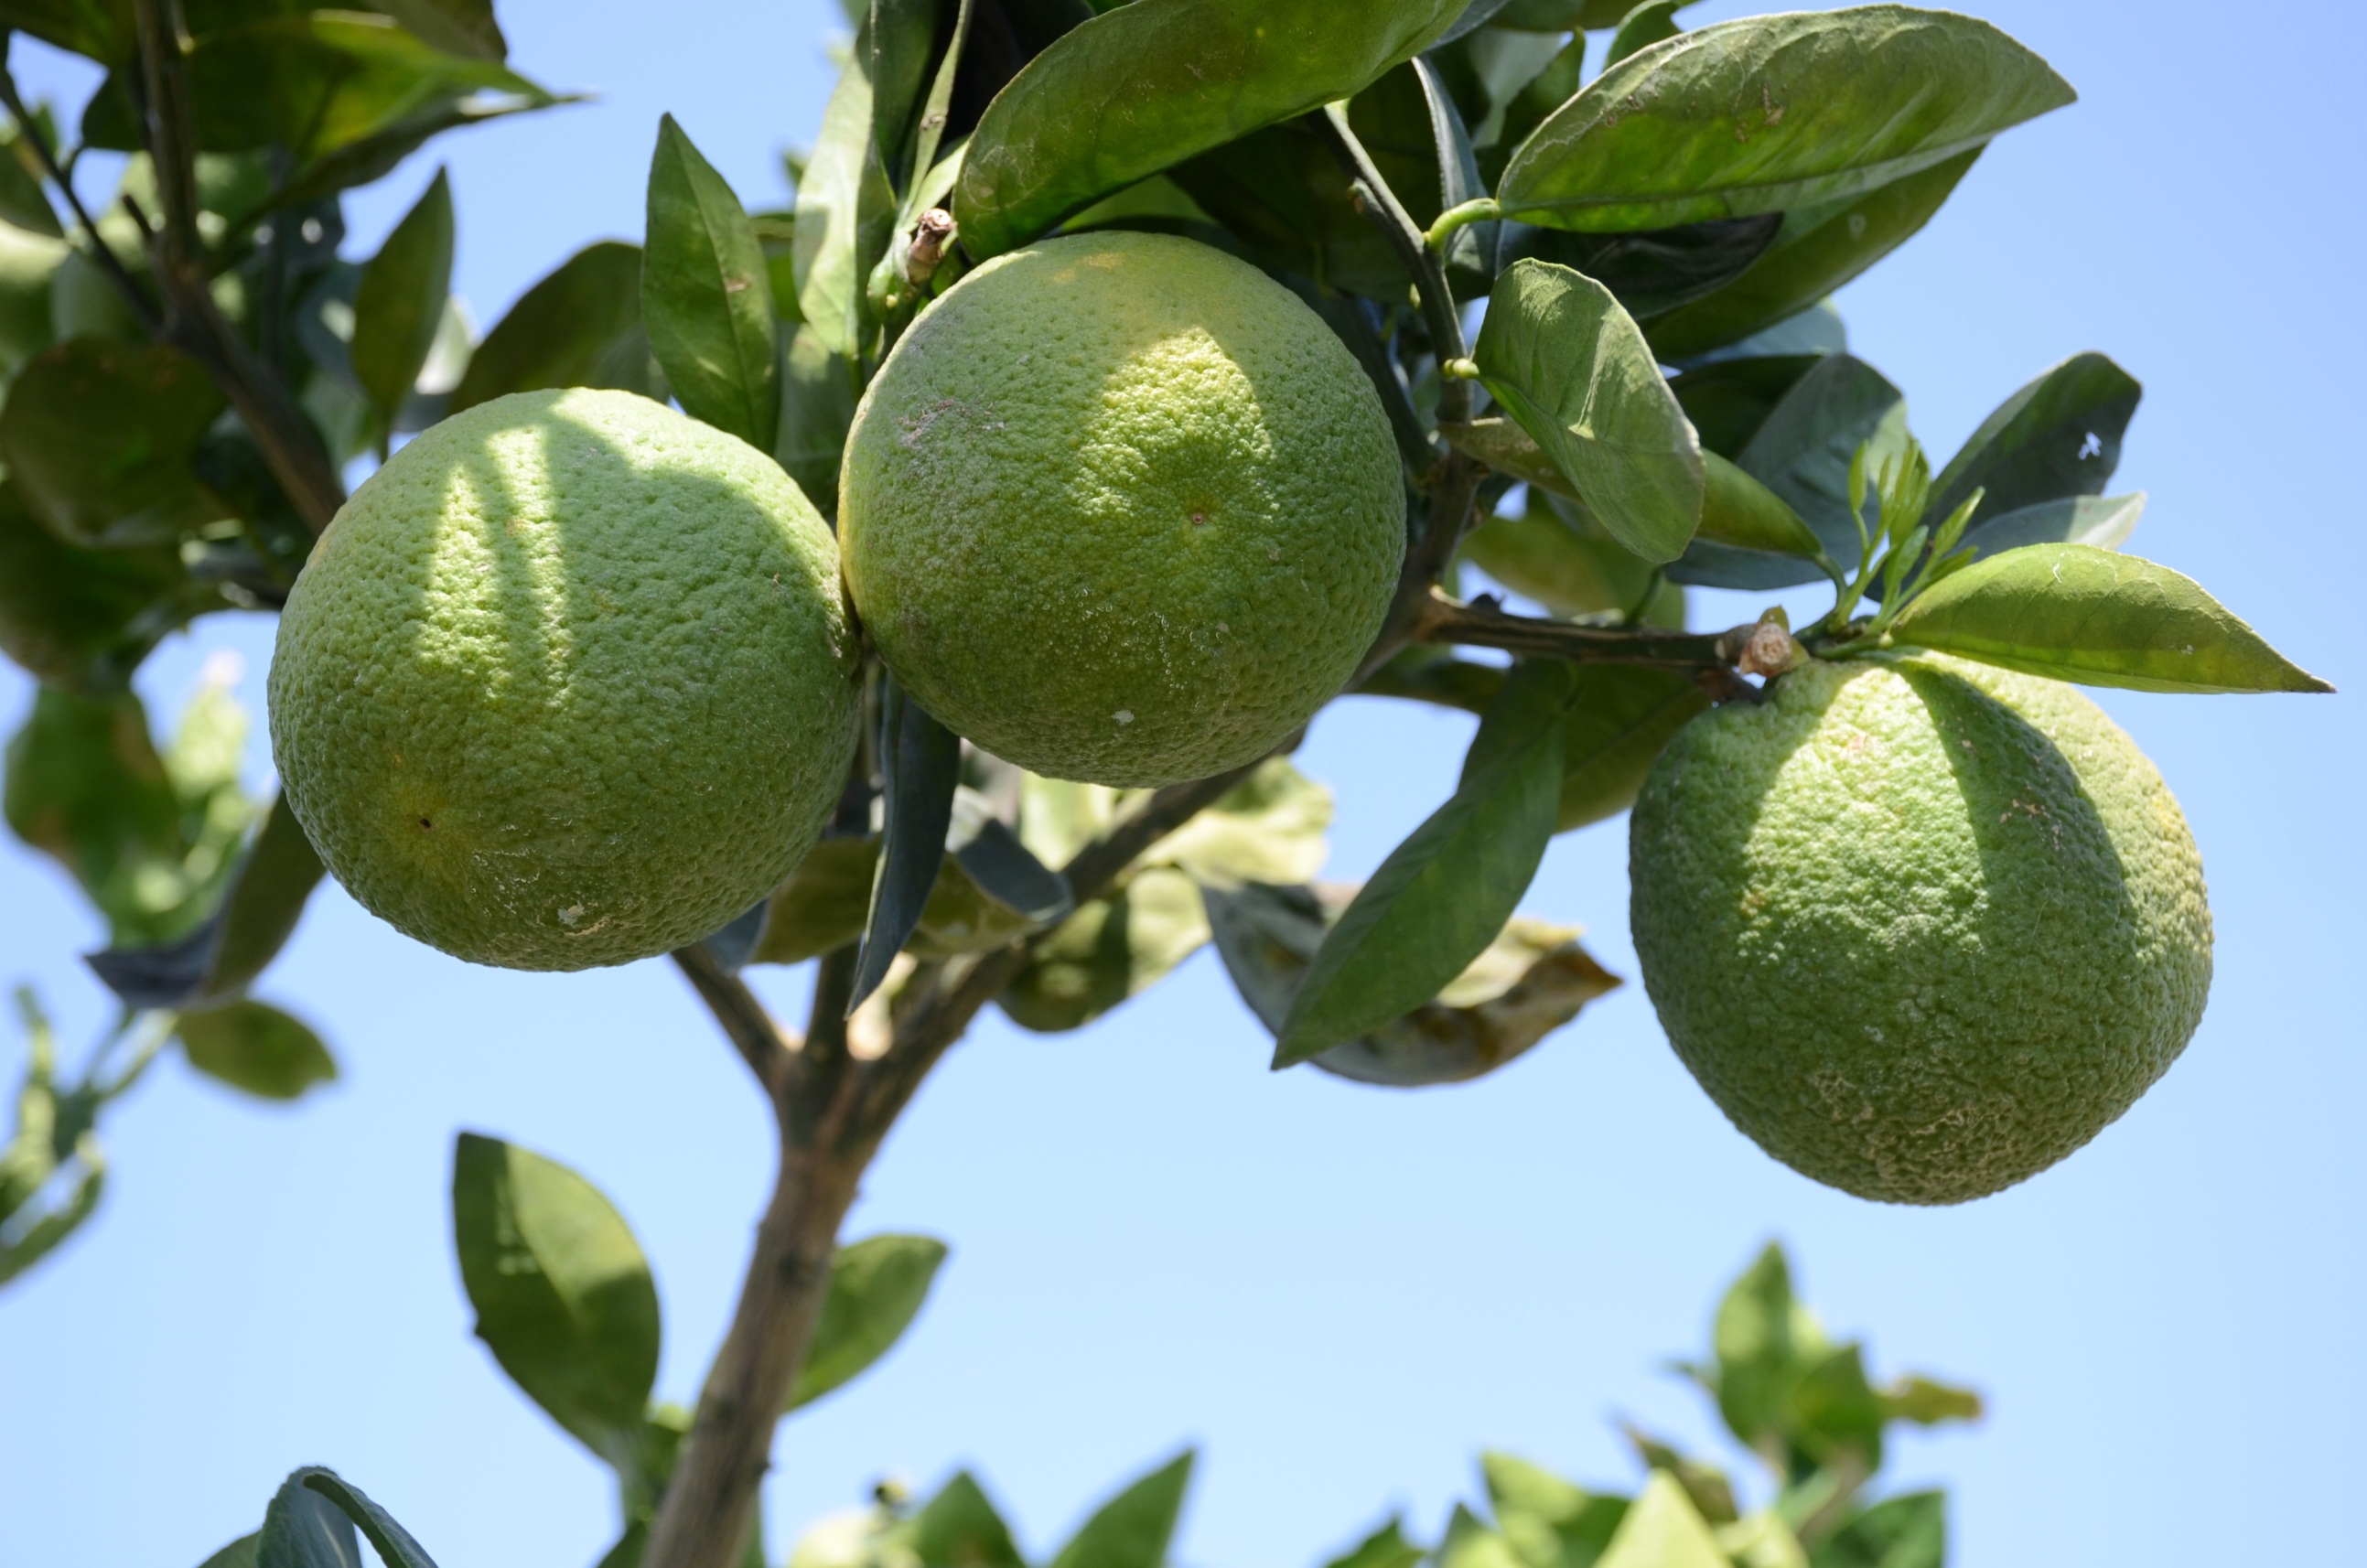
pixel 1151 84
pixel 845 211
pixel 303 1529
pixel 1836 1417
pixel 1770 113
pixel 1134 1529
pixel 920 770
pixel 1802 452
pixel 1442 896
pixel 29 263
pixel 1620 719
pixel 1268 828
pixel 1763 1339
pixel 1111 950
pixel 1572 367
pixel 1648 24
pixel 239 1553
pixel 399 303
pixel 564 1296
pixel 2075 613
pixel 394 1545
pixel 2059 436
pixel 579 326
pixel 1473 247
pixel 456 27
pixel 1663 1529
pixel 255 1048
pixel 84 619
pixel 1906 1531
pixel 706 297
pixel 1815 251
pixel 97 438
pixel 2105 522
pixel 1432 675
pixel 877 1287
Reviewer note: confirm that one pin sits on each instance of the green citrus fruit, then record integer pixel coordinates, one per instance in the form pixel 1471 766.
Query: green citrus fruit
pixel 1119 508
pixel 569 681
pixel 1920 928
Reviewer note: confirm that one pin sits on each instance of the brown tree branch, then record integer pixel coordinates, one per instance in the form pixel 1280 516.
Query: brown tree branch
pixel 833 1114
pixel 770 1052
pixel 142 308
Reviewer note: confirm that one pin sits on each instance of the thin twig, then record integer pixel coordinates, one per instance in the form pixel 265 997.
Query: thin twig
pixel 1445 620
pixel 102 252
pixel 769 1051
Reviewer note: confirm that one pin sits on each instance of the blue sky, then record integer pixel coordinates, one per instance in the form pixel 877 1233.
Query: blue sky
pixel 1341 1293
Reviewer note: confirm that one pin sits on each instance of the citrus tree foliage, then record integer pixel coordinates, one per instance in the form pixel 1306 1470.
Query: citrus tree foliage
pixel 1662 396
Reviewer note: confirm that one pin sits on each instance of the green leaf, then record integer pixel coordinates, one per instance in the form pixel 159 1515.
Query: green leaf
pixel 2059 436
pixel 1802 452
pixel 1772 113
pixel 564 1296
pixel 1742 513
pixel 1663 1529
pixel 877 1287
pixel 84 619
pixel 1907 1531
pixel 579 326
pixel 1385 1548
pixel 2104 522
pixel 706 296
pixel 993 861
pixel 1729 400
pixel 86 788
pixel 255 1048
pixel 1649 23
pixel 1111 950
pixel 29 269
pixel 824 905
pixel 1817 250
pixel 1471 1544
pixel 819 391
pixel 1280 194
pixel 1134 1529
pixel 400 301
pixel 393 1544
pixel 1654 270
pixel 845 213
pixel 1424 674
pixel 1268 828
pixel 960 1527
pixel 239 1553
pixel 2075 613
pixel 456 27
pixel 1570 366
pixel 1549 1522
pixel 1442 896
pixel 1927 1403
pixel 1530 981
pixel 303 1529
pixel 1155 82
pixel 1837 1417
pixel 920 767
pixel 1555 553
pixel 101 29
pixel 320 84
pixel 97 438
pixel 1706 1486
pixel 263 899
pixel 1620 719
pixel 1763 1339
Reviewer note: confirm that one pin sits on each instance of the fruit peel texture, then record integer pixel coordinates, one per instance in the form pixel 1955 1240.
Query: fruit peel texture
pixel 1121 509
pixel 1920 928
pixel 569 681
